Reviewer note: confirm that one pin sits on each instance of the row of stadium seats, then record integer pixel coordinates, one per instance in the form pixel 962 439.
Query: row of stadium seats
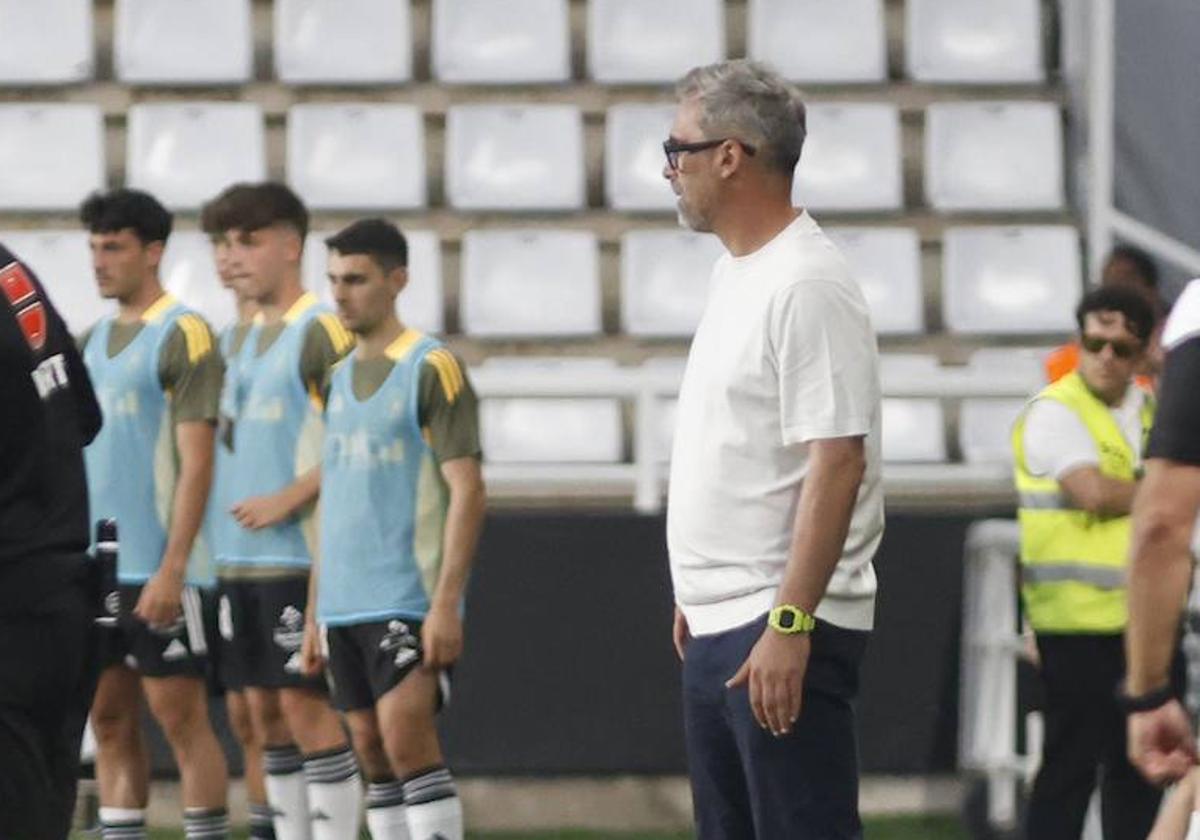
pixel 979 156
pixel 591 430
pixel 995 280
pixel 346 42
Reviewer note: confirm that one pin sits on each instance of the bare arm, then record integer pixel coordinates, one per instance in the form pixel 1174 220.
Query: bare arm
pixel 265 511
pixel 160 599
pixel 776 666
pixel 1091 490
pixel 1160 569
pixel 835 471
pixel 442 631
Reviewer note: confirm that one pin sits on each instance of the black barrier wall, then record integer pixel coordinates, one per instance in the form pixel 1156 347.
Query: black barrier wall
pixel 569 667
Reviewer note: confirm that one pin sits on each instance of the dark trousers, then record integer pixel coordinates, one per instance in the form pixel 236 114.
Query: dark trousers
pixel 746 783
pixel 47 679
pixel 1085 744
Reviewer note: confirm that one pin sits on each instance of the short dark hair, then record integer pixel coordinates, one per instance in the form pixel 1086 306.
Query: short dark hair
pixel 253 207
pixel 116 210
pixel 379 239
pixel 1139 316
pixel 1143 263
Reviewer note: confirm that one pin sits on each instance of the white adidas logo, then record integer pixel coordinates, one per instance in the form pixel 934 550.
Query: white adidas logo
pixel 175 650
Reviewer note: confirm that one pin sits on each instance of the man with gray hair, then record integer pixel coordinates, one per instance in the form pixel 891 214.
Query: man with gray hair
pixel 775 508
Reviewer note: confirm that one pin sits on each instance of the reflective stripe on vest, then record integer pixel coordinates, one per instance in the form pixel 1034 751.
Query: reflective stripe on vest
pixel 1073 561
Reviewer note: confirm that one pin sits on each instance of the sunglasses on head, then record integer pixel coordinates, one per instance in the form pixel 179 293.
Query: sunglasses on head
pixel 1121 349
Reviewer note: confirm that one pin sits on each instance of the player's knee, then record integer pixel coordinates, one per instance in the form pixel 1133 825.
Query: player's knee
pixel 113 724
pixel 182 714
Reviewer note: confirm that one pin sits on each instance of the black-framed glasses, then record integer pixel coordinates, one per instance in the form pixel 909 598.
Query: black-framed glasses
pixel 1121 349
pixel 673 148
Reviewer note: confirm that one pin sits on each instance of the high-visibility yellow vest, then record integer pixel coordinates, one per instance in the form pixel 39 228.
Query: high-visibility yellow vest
pixel 1073 562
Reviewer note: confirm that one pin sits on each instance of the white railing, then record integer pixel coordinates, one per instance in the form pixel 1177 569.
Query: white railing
pixel 1104 220
pixel 647 386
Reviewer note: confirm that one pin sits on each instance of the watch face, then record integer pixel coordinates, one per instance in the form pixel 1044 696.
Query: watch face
pixel 787 619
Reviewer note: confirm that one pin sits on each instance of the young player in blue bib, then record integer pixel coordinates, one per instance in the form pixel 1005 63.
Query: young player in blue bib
pixel 157 374
pixel 402 504
pixel 270 485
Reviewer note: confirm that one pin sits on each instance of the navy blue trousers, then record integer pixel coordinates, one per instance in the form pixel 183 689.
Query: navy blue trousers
pixel 746 783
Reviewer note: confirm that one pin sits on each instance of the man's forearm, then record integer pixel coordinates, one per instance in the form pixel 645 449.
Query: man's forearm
pixel 1160 570
pixel 188 506
pixel 303 491
pixel 464 521
pixel 823 515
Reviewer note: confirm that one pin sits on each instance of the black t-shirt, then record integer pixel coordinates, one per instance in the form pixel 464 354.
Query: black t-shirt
pixel 49 414
pixel 1176 432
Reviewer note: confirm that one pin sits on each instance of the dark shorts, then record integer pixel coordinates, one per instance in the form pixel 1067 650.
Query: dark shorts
pixel 261 625
pixel 366 661
pixel 746 783
pixel 179 650
pixel 48 661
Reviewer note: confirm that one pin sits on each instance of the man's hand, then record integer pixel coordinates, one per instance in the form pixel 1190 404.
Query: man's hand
pixel 1161 744
pixel 261 511
pixel 441 638
pixel 774 671
pixel 312 658
pixel 159 605
pixel 680 633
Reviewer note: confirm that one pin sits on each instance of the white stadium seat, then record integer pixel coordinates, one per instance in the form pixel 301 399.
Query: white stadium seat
pixel 820 40
pixel 886 262
pixel 994 156
pixel 1027 362
pixel 551 429
pixel 633 157
pixel 664 280
pixel 187 152
pixel 51 155
pixel 530 283
pixel 632 41
pixel 183 42
pixel 420 305
pixel 974 41
pixel 511 157
pixel 1010 280
pixel 517 41
pixel 343 156
pixel 851 158
pixel 47 42
pixel 343 41
pixel 985 429
pixel 62 261
pixel 667 408
pixel 913 431
pixel 189 273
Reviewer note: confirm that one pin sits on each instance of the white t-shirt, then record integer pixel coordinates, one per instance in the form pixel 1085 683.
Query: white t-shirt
pixel 784 355
pixel 1057 440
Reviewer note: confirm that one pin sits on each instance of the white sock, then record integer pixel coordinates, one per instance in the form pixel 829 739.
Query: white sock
pixel 432 805
pixel 287 792
pixel 386 817
pixel 122 823
pixel 334 794
pixel 1194 827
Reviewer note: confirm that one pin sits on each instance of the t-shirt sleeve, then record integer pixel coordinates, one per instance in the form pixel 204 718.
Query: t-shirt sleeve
pixel 1176 431
pixel 447 408
pixel 825 359
pixel 325 344
pixel 191 370
pixel 81 340
pixel 1056 440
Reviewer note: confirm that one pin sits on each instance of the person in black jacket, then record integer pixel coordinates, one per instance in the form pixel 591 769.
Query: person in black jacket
pixel 48 413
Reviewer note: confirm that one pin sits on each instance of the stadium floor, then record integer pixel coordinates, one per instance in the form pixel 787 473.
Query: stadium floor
pixel 877 828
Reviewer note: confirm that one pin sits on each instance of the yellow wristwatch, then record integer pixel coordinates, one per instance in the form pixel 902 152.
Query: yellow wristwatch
pixel 789 620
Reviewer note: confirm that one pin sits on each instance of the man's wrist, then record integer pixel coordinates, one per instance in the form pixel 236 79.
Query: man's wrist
pixel 1131 702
